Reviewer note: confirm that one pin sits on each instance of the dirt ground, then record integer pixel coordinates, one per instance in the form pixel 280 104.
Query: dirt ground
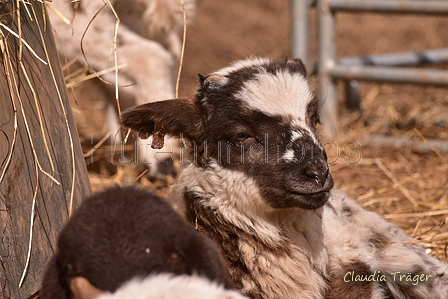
pixel 408 188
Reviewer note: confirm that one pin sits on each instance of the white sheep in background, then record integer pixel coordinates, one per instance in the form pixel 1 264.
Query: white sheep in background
pixel 258 183
pixel 148 43
pixel 122 240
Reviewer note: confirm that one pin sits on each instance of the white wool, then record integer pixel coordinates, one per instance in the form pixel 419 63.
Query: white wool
pixel 168 286
pixel 237 65
pixel 283 94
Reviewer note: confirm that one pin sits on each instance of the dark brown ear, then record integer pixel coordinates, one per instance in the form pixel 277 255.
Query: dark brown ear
pixel 171 117
pixel 300 64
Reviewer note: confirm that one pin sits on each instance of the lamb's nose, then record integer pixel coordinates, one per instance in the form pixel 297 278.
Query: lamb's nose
pixel 320 178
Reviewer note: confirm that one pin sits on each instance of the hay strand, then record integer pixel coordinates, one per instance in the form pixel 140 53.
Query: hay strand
pixel 69 132
pixel 22 41
pixel 30 241
pixel 403 190
pixel 39 113
pixel 429 145
pixel 58 13
pixel 182 52
pixel 81 78
pixel 117 23
pixel 421 214
pixel 141 175
pixel 14 93
pixel 97 145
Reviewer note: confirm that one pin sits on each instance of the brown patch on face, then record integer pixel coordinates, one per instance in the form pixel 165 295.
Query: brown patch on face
pixel 291 65
pixel 236 80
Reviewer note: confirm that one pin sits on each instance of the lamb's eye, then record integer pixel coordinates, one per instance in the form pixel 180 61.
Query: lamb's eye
pixel 243 137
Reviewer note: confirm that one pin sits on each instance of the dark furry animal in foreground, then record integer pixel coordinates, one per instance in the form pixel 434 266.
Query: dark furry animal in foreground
pixel 126 233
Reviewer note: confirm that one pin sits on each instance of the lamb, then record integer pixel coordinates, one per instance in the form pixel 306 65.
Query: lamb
pixel 125 239
pixel 257 182
pixel 148 45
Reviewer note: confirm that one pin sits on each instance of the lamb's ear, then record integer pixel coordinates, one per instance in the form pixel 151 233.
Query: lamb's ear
pixel 82 289
pixel 172 117
pixel 300 65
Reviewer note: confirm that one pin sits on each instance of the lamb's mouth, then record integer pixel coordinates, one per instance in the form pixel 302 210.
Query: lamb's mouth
pixel 311 201
pixel 293 198
pixel 321 195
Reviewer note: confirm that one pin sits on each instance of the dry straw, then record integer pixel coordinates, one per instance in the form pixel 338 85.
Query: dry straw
pixel 18 107
pixel 407 187
pixel 184 40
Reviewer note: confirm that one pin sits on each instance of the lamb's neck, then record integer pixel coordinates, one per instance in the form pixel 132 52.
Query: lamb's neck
pixel 265 260
pixel 288 243
pixel 236 198
pixel 302 228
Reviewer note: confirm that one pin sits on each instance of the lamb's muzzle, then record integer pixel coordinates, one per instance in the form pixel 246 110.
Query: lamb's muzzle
pixel 307 176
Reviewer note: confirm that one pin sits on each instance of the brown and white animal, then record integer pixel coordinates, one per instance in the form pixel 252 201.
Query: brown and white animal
pixel 148 45
pixel 258 183
pixel 126 239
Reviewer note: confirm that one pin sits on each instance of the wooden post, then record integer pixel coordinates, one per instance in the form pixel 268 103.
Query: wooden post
pixel 42 171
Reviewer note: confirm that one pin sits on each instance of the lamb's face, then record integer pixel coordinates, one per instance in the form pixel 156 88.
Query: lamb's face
pixel 256 117
pixel 261 119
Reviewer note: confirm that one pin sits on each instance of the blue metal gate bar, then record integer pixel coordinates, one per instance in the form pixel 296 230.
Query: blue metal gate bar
pixel 326 61
pixel 300 29
pixel 418 7
pixel 390 74
pixel 400 59
pixel 397 142
pixel 329 68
